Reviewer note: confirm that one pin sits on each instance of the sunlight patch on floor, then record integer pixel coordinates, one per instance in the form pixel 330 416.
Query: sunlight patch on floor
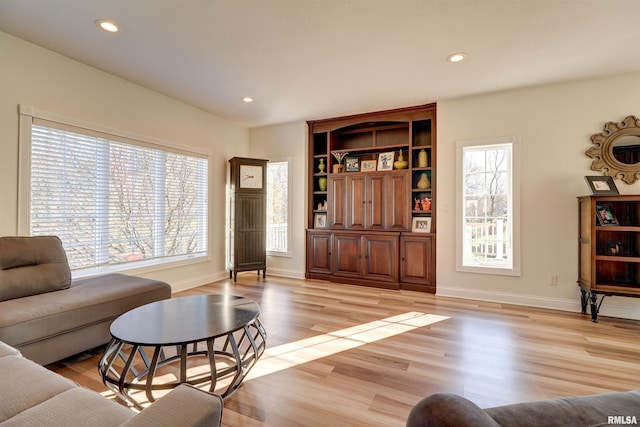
pixel 307 350
pixel 288 355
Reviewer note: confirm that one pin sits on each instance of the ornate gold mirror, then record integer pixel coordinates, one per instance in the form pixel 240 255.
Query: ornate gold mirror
pixel 616 150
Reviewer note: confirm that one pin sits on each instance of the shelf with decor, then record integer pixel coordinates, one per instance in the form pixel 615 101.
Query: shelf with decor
pixel 375 163
pixel 609 255
pixel 320 162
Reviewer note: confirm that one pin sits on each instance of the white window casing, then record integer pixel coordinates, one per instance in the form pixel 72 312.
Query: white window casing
pixel 488 206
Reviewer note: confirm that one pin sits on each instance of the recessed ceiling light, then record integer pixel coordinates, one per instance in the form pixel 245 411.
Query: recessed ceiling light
pixel 247 99
pixel 107 25
pixel 457 57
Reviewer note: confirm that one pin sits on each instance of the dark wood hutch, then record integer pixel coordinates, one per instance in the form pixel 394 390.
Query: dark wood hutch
pixel 359 224
pixel 609 256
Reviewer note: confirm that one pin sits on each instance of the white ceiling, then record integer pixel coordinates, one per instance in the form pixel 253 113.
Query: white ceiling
pixel 311 59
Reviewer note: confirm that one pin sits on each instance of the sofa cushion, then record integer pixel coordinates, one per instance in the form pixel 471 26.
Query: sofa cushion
pixel 24 384
pixel 569 411
pixel 6 350
pixel 86 302
pixel 448 410
pixel 74 407
pixel 32 265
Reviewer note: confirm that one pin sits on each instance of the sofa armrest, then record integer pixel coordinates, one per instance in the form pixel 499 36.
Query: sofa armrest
pixel 184 406
pixel 448 410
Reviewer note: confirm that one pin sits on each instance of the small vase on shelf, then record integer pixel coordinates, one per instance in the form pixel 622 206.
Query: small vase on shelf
pixel 423 159
pixel 322 183
pixel 321 166
pixel 424 183
pixel 401 163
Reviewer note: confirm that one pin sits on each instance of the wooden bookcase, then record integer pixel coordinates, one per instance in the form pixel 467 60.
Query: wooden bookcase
pixel 359 227
pixel 609 255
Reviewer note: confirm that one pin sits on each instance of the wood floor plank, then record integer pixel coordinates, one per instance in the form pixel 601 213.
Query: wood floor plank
pixel 337 355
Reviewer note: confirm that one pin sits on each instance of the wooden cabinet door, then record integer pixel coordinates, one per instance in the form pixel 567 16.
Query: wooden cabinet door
pixel 356 214
pixel 375 202
pixel 380 256
pixel 416 260
pixel 319 252
pixel 347 255
pixel 338 201
pixel 398 196
pixel 250 235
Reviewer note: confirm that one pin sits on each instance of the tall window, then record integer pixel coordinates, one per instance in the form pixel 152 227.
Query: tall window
pixel 278 207
pixel 111 199
pixel 488 214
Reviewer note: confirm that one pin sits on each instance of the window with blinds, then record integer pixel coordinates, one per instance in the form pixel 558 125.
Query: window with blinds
pixel 113 200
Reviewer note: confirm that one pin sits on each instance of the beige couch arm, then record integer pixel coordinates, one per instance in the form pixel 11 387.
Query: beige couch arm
pixel 184 406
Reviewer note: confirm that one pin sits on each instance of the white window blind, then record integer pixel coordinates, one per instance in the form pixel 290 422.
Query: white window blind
pixel 113 200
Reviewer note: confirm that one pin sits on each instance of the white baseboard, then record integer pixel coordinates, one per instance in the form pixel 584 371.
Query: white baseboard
pixel 194 282
pixel 280 272
pixel 609 307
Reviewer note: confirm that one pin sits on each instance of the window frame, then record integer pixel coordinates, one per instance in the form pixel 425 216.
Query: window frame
pixel 289 161
pixel 27 115
pixel 514 169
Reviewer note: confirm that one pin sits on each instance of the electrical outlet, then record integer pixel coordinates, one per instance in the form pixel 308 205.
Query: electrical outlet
pixel 553 280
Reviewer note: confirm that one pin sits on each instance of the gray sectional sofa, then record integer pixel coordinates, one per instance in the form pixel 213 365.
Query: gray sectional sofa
pixel 451 410
pixel 49 317
pixel 31 395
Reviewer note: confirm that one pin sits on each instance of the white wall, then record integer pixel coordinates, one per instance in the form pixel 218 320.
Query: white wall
pixel 47 81
pixel 555 123
pixel 279 143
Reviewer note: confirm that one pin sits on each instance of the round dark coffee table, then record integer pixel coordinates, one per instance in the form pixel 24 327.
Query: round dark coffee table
pixel 194 340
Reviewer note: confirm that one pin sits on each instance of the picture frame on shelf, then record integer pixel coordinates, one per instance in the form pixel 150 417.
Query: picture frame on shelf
pixel 605 216
pixel 602 185
pixel 421 224
pixel 352 164
pixel 368 166
pixel 319 220
pixel 385 161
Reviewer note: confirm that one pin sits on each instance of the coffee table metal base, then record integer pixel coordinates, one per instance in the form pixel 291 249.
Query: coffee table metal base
pixel 127 368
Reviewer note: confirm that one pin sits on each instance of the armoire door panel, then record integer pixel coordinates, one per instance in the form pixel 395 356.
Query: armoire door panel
pixel 375 202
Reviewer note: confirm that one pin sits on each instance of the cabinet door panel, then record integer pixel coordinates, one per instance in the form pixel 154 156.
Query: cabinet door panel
pixel 319 252
pixel 250 239
pixel 338 202
pixel 399 202
pixel 381 257
pixel 347 255
pixel 415 260
pixel 375 202
pixel 356 198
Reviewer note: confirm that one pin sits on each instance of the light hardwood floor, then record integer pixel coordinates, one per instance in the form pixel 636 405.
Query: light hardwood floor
pixel 343 355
